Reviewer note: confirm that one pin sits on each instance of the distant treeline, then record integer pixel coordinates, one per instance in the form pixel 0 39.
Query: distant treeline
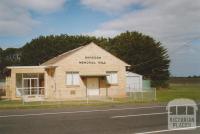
pixel 185 80
pixel 145 55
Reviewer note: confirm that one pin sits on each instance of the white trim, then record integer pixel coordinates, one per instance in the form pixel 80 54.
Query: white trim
pixel 30 88
pixel 136 115
pixel 45 85
pixel 18 67
pixel 75 112
pixel 112 77
pixel 72 78
pixel 129 74
pixel 29 67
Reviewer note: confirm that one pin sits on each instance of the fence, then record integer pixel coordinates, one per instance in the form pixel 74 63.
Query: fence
pixel 143 95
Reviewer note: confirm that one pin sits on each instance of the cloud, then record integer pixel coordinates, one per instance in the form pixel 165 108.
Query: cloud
pixel 40 5
pixel 108 6
pixel 16 18
pixel 166 20
pixel 173 22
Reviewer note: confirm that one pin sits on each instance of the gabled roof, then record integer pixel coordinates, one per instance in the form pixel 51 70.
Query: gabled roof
pixel 132 74
pixel 30 67
pixel 61 56
pixel 66 54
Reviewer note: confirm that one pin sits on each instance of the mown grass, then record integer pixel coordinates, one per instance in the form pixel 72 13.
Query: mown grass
pixel 59 104
pixel 191 91
pixel 67 104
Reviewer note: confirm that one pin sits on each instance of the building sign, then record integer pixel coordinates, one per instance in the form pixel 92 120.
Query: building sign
pixel 92 60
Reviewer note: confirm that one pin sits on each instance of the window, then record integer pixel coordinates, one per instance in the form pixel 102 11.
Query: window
pixel 19 78
pixel 72 78
pixel 190 110
pixel 173 110
pixel 30 84
pixel 181 110
pixel 112 77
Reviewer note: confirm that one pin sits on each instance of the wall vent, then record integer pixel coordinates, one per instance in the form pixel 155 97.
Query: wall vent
pixel 72 92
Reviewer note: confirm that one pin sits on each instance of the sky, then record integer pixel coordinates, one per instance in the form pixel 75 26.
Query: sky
pixel 175 23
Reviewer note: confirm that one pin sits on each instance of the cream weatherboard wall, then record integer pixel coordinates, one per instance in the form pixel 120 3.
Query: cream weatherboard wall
pixel 91 61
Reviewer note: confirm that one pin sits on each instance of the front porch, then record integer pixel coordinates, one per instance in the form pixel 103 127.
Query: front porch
pixel 30 86
pixel 26 82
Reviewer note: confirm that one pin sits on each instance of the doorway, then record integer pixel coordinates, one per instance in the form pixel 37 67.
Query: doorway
pixel 31 86
pixel 93 87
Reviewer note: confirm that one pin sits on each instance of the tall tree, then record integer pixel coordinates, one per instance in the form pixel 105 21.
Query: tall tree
pixel 1 64
pixel 9 57
pixel 46 47
pixel 144 54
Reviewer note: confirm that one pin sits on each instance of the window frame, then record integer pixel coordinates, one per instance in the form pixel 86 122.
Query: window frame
pixel 72 83
pixel 20 87
pixel 109 74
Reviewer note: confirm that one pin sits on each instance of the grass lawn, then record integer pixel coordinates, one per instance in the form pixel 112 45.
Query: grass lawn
pixel 18 104
pixel 163 95
pixel 191 91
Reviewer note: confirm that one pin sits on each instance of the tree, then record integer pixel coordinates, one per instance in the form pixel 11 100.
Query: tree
pixel 144 54
pixel 1 66
pixel 46 47
pixel 9 57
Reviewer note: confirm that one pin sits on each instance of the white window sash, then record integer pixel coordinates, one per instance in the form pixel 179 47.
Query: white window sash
pixel 18 92
pixel 72 78
pixel 76 79
pixel 112 78
pixel 109 78
pixel 69 79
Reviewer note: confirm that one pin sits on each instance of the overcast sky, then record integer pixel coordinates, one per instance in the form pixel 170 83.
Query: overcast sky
pixel 176 23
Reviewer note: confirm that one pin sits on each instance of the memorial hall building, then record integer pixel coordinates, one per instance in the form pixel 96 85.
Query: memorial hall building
pixel 87 71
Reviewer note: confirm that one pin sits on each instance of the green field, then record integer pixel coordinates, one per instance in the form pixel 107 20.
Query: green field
pixel 191 91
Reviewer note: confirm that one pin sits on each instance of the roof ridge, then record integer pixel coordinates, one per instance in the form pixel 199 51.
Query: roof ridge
pixel 63 55
pixel 81 46
pixel 50 61
pixel 69 51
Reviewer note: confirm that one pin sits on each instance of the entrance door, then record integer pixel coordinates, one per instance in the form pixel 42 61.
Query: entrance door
pixel 27 85
pixel 34 86
pixel 31 86
pixel 92 86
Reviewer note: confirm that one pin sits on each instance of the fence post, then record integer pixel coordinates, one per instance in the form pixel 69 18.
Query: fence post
pixel 87 100
pixel 134 96
pixel 155 94
pixel 130 93
pixel 142 96
pixel 22 92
